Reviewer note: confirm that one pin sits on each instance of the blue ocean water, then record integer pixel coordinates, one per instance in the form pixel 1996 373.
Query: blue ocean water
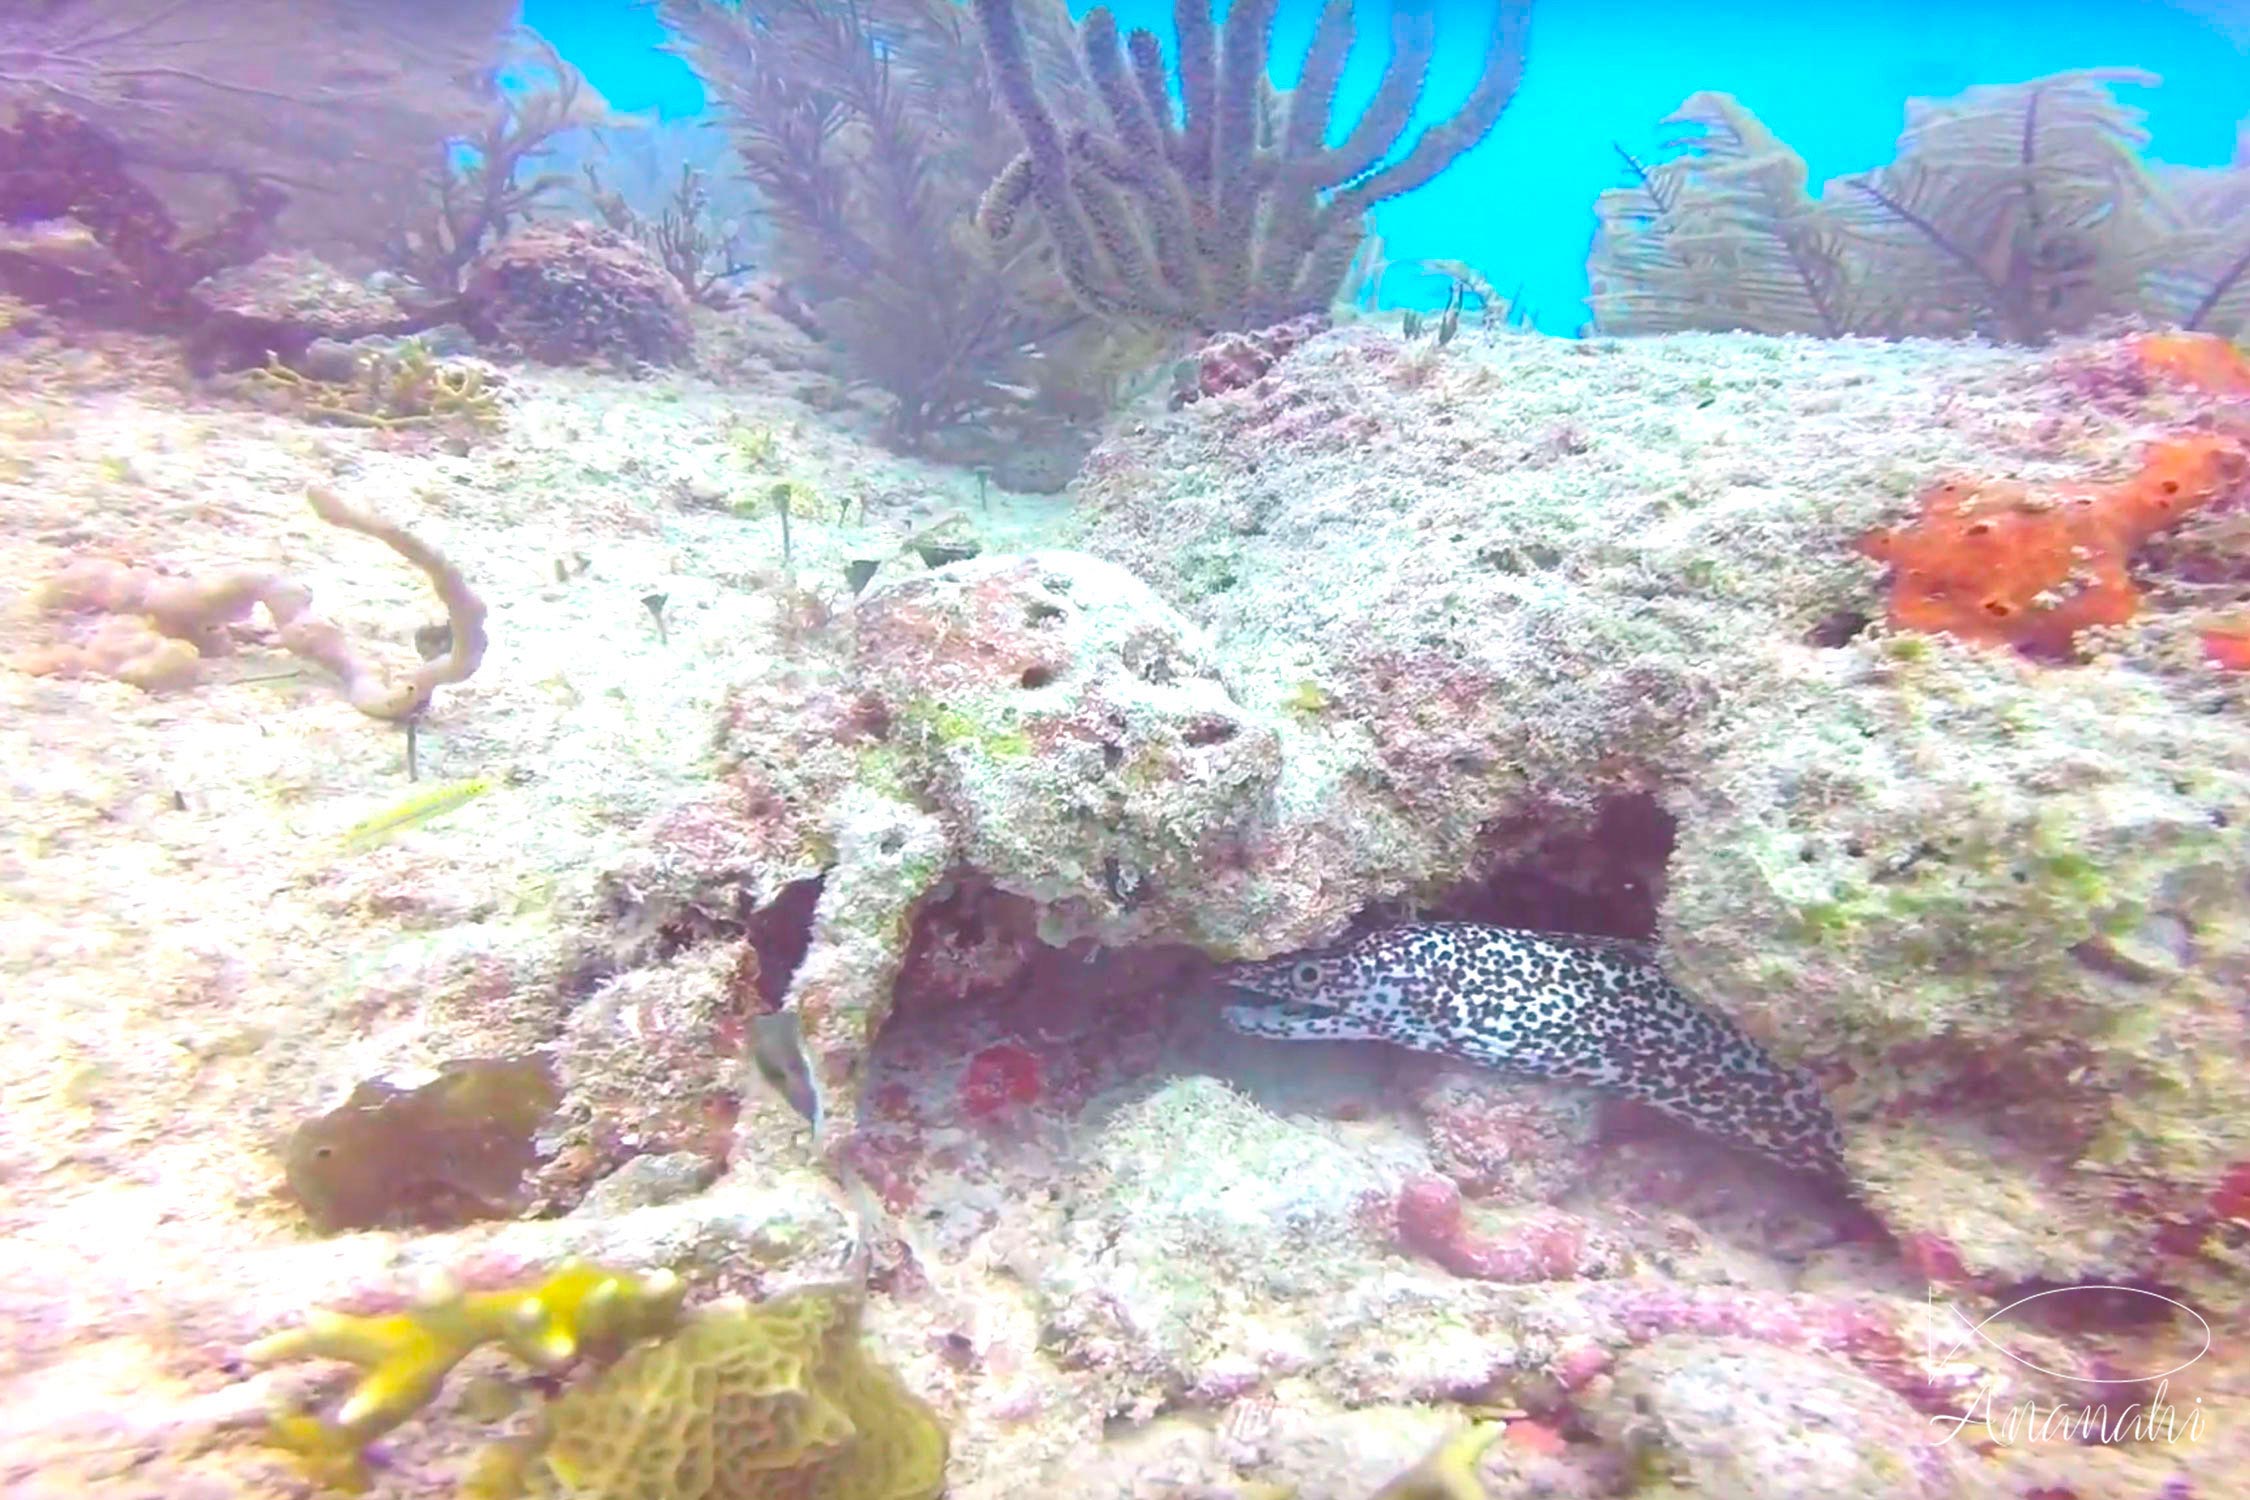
pixel 1830 80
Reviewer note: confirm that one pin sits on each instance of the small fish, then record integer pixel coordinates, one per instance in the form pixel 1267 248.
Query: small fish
pixel 1590 1010
pixel 414 811
pixel 777 1048
pixel 59 244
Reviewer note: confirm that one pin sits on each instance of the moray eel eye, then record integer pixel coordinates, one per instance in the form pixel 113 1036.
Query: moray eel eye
pixel 1307 975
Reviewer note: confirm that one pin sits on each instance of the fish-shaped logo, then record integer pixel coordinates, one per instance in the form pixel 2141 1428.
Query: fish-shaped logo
pixel 1947 1331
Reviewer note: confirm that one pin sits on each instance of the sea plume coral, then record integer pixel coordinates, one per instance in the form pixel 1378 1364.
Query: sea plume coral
pixel 869 130
pixel 2019 212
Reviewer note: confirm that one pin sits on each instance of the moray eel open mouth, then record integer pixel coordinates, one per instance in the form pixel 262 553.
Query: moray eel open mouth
pixel 1575 1009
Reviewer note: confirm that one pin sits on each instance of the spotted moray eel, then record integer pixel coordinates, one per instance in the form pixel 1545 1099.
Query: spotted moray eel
pixel 1588 1010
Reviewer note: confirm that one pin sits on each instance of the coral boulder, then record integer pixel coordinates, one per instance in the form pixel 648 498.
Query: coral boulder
pixel 569 294
pixel 1078 734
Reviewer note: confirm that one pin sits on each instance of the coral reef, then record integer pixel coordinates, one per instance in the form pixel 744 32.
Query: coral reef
pixel 577 294
pixel 1038 718
pixel 1223 220
pixel 277 306
pixel 2018 212
pixel 2007 891
pixel 1506 1139
pixel 1076 732
pixel 1234 360
pixel 1542 1245
pixel 1730 1417
pixel 155 631
pixel 1535 633
pixel 2011 889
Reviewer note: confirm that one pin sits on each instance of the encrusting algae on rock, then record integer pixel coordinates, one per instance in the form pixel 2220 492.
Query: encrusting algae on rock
pixel 774 1400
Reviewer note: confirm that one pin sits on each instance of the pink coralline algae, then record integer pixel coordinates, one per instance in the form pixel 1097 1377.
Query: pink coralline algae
pixel 1542 1245
pixel 1506 1140
pixel 1235 361
pixel 999 1080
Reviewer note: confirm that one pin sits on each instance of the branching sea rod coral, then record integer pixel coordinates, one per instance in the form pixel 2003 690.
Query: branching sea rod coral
pixel 154 631
pixel 474 188
pixel 1220 221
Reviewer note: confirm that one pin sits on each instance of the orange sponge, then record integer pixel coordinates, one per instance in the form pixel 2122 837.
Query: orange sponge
pixel 2008 562
pixel 2202 361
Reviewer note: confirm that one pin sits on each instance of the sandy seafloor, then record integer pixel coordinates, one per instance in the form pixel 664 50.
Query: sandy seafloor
pixel 194 958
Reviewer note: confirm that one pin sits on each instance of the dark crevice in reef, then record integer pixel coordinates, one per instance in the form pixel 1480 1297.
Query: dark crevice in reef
pixel 1607 878
pixel 780 932
pixel 1838 629
pixel 781 929
pixel 974 945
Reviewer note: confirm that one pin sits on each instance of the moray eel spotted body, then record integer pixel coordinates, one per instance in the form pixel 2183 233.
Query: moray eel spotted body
pixel 1588 1010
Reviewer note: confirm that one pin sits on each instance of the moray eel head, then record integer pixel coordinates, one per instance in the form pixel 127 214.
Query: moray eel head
pixel 1311 997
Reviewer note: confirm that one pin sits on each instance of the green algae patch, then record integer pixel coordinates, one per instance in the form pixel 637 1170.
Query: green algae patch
pixel 945 727
pixel 452 1151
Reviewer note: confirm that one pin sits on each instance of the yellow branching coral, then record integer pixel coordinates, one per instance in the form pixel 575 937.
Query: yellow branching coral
pixel 406 1355
pixel 775 1400
pixel 410 387
pixel 1449 1472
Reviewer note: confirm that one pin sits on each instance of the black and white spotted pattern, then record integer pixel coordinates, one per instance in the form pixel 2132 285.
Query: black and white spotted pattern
pixel 1588 1010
